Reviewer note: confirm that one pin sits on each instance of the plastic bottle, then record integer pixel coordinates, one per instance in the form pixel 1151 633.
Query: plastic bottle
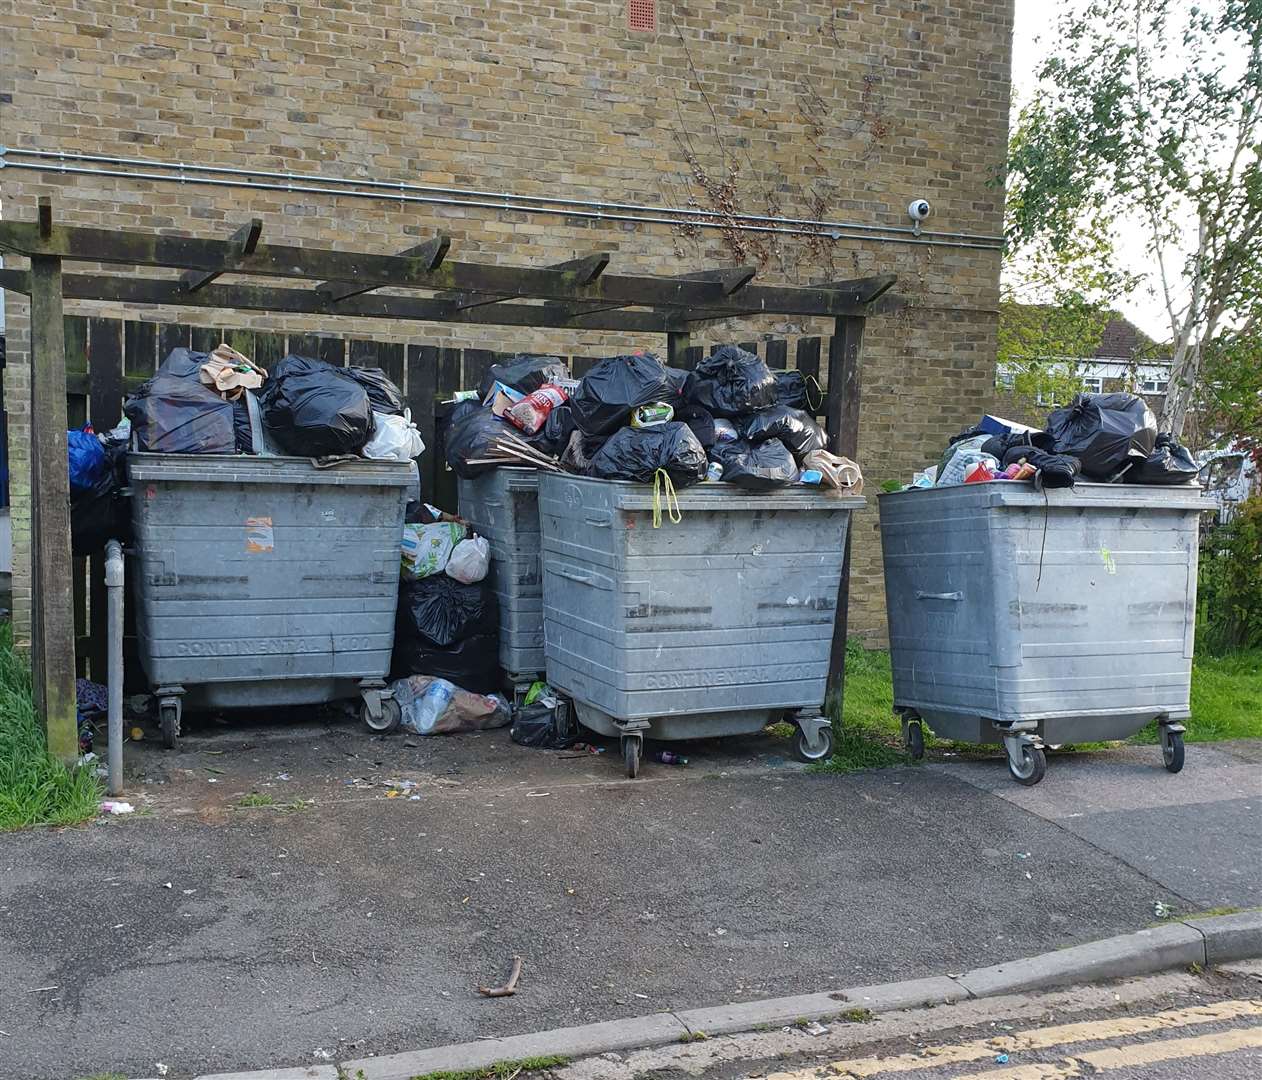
pixel 715 471
pixel 669 757
pixel 654 415
pixel 423 714
pixel 531 412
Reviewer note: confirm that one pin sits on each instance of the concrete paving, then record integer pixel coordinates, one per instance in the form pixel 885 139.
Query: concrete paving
pixel 340 921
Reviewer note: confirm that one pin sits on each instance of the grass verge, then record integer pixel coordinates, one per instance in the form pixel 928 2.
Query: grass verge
pixel 1226 699
pixel 35 788
pixel 500 1070
pixel 869 735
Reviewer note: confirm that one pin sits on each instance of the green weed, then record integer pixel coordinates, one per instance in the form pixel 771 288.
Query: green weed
pixel 35 788
pixel 499 1070
pixel 255 798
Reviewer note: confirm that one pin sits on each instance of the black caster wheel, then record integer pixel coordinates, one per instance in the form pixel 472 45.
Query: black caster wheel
pixel 915 740
pixel 631 748
pixel 169 723
pixel 1172 751
pixel 391 717
pixel 821 751
pixel 1032 767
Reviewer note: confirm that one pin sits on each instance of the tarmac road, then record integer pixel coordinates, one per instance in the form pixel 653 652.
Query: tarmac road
pixel 210 936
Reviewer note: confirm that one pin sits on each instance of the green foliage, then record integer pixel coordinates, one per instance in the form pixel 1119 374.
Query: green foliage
pixel 1039 346
pixel 868 735
pixel 1148 121
pixel 1226 699
pixel 500 1070
pixel 35 788
pixel 1231 581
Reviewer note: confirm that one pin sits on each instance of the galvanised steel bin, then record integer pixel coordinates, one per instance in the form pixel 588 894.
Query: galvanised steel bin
pixel 265 580
pixel 716 625
pixel 1029 617
pixel 503 506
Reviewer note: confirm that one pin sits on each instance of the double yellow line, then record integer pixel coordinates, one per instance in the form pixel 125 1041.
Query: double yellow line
pixel 1120 1057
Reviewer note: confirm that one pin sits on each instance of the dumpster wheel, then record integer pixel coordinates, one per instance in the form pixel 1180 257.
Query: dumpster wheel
pixel 169 721
pixel 915 740
pixel 1172 751
pixel 821 751
pixel 391 717
pixel 1032 767
pixel 632 745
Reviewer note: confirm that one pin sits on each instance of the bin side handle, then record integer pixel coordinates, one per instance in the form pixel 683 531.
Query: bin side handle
pixel 939 595
pixel 573 575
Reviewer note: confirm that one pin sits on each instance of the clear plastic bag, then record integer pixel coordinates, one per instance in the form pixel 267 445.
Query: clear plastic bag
pixel 470 560
pixel 394 438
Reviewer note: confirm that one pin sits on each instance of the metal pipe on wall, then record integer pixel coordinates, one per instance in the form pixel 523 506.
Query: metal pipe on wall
pixel 114 587
pixel 398 191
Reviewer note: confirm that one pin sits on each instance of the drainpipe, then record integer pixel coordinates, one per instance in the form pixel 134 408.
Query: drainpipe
pixel 114 587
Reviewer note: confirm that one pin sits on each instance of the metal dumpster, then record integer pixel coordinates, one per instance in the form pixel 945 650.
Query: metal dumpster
pixel 265 580
pixel 503 506
pixel 716 625
pixel 1029 617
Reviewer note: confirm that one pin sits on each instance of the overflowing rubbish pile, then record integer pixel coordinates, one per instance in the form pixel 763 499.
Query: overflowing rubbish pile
pixel 1101 438
pixel 223 403
pixel 632 418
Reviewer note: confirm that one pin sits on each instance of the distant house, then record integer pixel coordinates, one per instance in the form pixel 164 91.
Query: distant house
pixel 1125 359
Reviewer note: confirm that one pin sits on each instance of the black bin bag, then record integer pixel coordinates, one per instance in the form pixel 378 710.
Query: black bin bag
pixel 385 396
pixel 472 664
pixel 1170 463
pixel 525 372
pixel 471 430
pixel 314 409
pixel 173 414
pixel 732 382
pixel 793 427
pixel 606 395
pixel 793 390
pixel 1107 433
pixel 756 466
pixel 543 726
pixel 439 610
pixel 637 453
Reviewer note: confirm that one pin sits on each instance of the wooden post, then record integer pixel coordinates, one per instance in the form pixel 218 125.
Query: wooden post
pixel 677 350
pixel 52 639
pixel 842 412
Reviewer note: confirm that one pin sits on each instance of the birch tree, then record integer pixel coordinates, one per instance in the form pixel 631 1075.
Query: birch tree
pixel 1148 121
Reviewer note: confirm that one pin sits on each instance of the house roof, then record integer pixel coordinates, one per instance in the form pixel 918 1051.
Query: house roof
pixel 1122 339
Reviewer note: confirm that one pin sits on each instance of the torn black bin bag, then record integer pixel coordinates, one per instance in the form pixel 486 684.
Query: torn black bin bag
pixel 793 427
pixel 385 396
pixel 525 372
pixel 731 382
pixel 542 726
pixel 1107 433
pixel 470 432
pixel 314 409
pixel 757 466
pixel 636 454
pixel 1169 463
pixel 439 610
pixel 102 512
pixel 472 664
pixel 555 434
pixel 173 414
pixel 606 395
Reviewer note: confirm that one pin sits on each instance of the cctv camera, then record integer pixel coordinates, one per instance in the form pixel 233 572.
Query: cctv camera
pixel 918 209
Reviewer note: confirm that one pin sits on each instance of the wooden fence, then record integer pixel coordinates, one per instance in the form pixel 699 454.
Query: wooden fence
pixel 107 359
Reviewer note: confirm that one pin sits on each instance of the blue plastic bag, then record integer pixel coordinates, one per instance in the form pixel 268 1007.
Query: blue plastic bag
pixel 85 457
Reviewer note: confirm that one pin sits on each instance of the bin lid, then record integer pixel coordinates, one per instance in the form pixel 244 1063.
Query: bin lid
pixel 247 469
pixel 1083 494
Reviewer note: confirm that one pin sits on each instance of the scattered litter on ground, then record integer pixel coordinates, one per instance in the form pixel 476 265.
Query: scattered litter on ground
pixel 162 1069
pixel 509 988
pixel 537 794
pixel 166 884
pixel 117 806
pixel 137 734
pixel 1001 1059
pixel 283 776
pixel 816 1029
pixel 1162 910
pixel 42 989
pixel 322 1054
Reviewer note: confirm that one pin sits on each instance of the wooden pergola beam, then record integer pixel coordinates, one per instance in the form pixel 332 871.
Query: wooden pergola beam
pixel 728 280
pixel 283 261
pixel 246 297
pixel 859 292
pixel 587 269
pixel 246 240
pixel 432 252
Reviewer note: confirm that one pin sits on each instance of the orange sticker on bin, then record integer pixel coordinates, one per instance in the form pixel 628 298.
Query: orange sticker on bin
pixel 258 535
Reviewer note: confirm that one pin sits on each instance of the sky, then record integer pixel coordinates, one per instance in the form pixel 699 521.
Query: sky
pixel 1035 20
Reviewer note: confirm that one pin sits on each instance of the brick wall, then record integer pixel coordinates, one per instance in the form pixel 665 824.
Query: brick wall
pixel 808 109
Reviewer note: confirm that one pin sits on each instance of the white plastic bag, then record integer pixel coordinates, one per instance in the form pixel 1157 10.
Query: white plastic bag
pixel 470 560
pixel 394 438
pixel 426 548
